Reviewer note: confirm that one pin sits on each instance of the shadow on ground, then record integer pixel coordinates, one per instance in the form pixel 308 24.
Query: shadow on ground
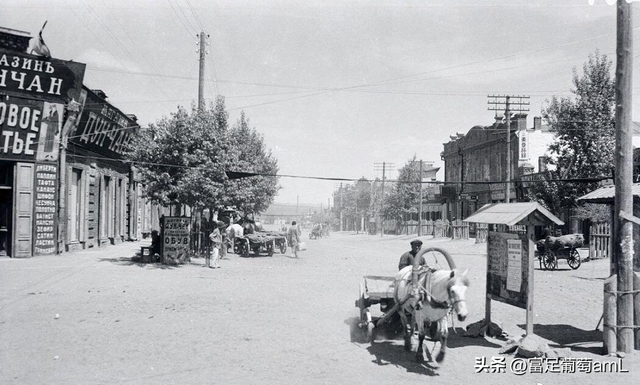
pixel 136 261
pixel 568 336
pixel 458 340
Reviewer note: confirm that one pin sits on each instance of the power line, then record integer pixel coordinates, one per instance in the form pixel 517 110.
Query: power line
pixel 339 179
pixel 180 20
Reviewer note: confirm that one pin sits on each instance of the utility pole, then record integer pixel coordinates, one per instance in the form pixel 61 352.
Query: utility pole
pixel 509 106
pixel 378 167
pixel 202 50
pixel 623 228
pixel 420 203
pixel 341 206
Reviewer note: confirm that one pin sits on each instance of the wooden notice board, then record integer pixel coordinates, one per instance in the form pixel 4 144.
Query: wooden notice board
pixel 508 268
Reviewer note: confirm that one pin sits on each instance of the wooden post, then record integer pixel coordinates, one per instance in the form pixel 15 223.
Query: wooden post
pixel 507 186
pixel 530 266
pixel 420 202
pixel 609 315
pixel 636 307
pixel 623 236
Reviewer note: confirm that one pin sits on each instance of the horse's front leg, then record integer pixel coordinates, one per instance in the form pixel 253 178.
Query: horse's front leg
pixel 419 352
pixel 443 349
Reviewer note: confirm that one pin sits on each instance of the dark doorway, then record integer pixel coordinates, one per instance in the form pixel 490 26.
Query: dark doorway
pixel 6 207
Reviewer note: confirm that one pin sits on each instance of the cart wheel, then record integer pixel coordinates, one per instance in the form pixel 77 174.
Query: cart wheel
pixel 437 258
pixel 244 250
pixel 366 322
pixel 549 261
pixel 283 248
pixel 574 259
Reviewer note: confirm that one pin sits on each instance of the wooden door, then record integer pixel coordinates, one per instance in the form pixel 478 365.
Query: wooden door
pixel 23 210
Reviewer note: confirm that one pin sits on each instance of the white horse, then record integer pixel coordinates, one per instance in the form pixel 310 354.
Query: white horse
pixel 441 292
pixel 233 231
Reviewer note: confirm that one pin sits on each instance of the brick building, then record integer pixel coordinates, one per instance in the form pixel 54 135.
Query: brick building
pixel 479 156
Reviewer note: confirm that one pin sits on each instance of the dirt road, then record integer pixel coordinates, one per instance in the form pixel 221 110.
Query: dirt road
pixel 264 320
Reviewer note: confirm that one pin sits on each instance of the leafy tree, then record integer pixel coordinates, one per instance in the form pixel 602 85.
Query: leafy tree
pixel 180 158
pixel 183 158
pixel 405 193
pixel 585 136
pixel 248 153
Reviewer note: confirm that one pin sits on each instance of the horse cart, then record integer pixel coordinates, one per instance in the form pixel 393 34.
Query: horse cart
pixel 551 249
pixel 392 320
pixel 316 232
pixel 259 244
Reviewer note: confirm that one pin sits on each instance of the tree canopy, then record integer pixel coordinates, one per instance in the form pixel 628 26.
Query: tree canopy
pixel 585 135
pixel 182 160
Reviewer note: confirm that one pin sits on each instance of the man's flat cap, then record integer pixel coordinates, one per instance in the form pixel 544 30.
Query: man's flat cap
pixel 416 242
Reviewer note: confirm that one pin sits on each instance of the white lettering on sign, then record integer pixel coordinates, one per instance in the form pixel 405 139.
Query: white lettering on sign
pixel 14 77
pixel 523 145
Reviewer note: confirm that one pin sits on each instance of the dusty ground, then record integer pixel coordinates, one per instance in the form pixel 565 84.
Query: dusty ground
pixel 264 320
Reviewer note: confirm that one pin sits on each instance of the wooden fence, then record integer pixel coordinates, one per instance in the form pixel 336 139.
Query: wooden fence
pixel 460 229
pixel 600 240
pixel 482 232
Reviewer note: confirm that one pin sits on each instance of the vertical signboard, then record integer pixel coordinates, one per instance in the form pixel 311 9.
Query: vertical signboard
pixel 523 145
pixel 175 239
pixel 508 268
pixel 45 208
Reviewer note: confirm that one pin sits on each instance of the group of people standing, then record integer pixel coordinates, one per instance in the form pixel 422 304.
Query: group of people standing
pixel 219 243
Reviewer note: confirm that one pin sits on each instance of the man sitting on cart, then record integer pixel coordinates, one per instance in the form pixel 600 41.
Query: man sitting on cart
pixel 409 259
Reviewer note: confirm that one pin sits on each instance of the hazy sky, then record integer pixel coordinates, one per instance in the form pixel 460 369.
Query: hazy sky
pixel 334 86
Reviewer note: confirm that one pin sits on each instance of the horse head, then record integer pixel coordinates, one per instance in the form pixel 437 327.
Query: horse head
pixel 457 290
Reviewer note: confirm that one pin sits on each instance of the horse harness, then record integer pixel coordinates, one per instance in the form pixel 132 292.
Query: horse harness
pixel 424 284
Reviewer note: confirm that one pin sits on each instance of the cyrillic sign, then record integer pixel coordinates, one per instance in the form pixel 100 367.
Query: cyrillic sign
pixel 47 79
pixel 30 129
pixel 103 128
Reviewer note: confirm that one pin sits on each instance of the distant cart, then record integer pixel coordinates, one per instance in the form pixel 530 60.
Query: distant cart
pixel 260 243
pixel 565 247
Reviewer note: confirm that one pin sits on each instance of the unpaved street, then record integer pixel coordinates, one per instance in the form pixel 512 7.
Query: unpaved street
pixel 264 320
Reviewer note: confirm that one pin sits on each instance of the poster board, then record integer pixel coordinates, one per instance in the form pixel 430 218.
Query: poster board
pixel 45 209
pixel 176 237
pixel 508 268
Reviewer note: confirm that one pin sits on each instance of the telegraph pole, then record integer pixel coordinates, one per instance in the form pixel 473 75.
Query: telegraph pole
pixel 420 203
pixel 509 106
pixel 202 50
pixel 341 206
pixel 623 227
pixel 377 167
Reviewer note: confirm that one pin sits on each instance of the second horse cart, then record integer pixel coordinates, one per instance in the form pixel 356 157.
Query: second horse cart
pixel 565 247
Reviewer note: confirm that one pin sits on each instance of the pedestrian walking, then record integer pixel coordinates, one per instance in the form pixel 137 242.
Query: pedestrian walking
pixel 293 236
pixel 216 243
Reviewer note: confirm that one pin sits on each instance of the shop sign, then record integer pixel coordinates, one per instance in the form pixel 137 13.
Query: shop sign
pixel 103 128
pixel 523 145
pixel 45 223
pixel 175 238
pixel 30 129
pixel 22 74
pixel 497 191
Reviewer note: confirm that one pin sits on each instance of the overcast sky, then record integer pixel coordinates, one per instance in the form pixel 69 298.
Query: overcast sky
pixel 334 86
